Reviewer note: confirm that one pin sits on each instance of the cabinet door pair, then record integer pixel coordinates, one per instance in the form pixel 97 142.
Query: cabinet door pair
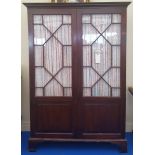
pixel 77 70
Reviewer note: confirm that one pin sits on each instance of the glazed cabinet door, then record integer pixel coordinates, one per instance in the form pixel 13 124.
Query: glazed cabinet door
pixel 77 72
pixel 52 71
pixel 102 79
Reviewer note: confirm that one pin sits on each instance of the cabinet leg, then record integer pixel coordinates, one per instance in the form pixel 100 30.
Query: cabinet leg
pixel 123 147
pixel 32 146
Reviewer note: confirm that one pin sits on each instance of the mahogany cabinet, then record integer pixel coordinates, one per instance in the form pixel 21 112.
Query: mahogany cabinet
pixel 77 56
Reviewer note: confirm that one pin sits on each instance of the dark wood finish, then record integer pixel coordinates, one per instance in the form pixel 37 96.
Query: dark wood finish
pixel 101 118
pixel 54 118
pixel 123 71
pixel 83 5
pixel 32 145
pixel 78 118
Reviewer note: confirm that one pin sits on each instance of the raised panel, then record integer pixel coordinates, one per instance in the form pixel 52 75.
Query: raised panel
pixel 53 118
pixel 103 118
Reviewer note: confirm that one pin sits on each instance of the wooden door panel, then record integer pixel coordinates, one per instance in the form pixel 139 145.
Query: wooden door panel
pixel 55 118
pixel 101 118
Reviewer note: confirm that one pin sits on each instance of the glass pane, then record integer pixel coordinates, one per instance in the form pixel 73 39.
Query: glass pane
pixel 40 35
pixel 116 18
pixel 113 34
pixel 89 77
pixel 64 34
pixel 52 22
pixel 101 22
pixel 101 89
pixel 65 77
pixel 38 55
pixel 39 92
pixel 86 19
pixel 116 56
pixel 53 89
pixel 113 77
pixel 53 56
pixel 89 34
pixel 41 77
pixel 67 51
pixel 37 19
pixel 116 92
pixel 66 19
pixel 103 56
pixel 86 92
pixel 103 48
pixel 86 55
pixel 67 92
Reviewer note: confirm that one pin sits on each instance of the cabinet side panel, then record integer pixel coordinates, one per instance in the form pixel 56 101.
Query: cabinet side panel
pixel 31 71
pixel 123 71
